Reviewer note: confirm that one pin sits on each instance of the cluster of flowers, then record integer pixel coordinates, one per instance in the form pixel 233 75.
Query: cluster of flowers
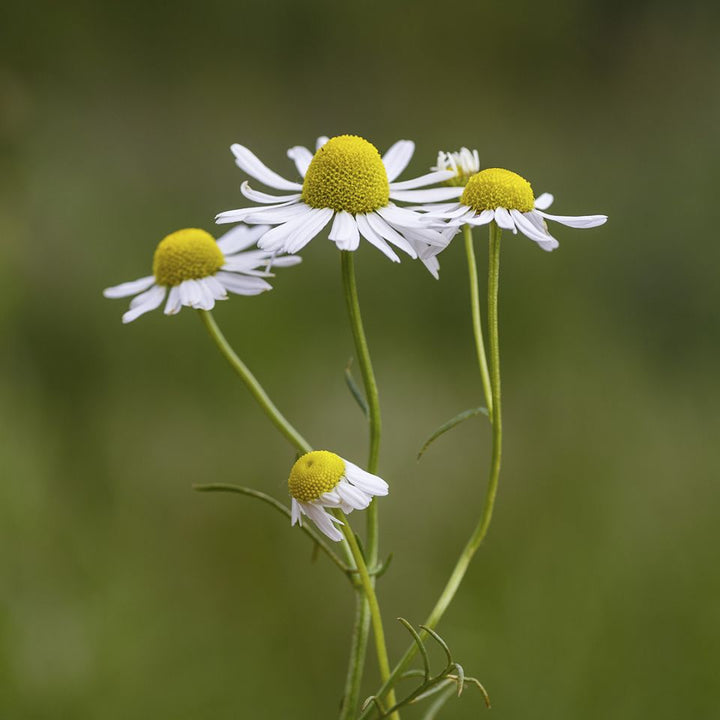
pixel 346 185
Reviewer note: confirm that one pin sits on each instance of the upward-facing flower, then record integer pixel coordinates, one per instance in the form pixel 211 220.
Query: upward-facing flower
pixel 321 479
pixel 347 182
pixel 194 270
pixel 508 199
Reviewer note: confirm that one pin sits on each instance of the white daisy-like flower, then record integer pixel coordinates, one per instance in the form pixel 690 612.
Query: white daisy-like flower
pixel 194 270
pixel 508 199
pixel 464 163
pixel 322 479
pixel 347 182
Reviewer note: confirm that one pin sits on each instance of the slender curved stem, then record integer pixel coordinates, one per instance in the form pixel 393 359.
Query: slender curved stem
pixel 476 319
pixel 257 391
pixel 375 617
pixel 480 531
pixel 362 616
pixel 306 528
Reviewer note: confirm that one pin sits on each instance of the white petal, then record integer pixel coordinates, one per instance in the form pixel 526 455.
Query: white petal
pixel 173 305
pixel 275 240
pixel 279 214
pixel 446 211
pixel 207 296
pixel 432 195
pixel 231 216
pixel 320 142
pixel 265 198
pixel 323 520
pixel 247 161
pixel 578 221
pixel 215 287
pixel 302 158
pixel 433 266
pixel 240 238
pixel 367 482
pixel 353 496
pixel 396 159
pixel 373 238
pixel 344 232
pixel 319 218
pixel 544 201
pixel 285 261
pixel 504 219
pixel 382 228
pixel 426 235
pixel 150 300
pixel 403 217
pixel 295 514
pixel 129 288
pixel 483 218
pixel 528 228
pixel 428 179
pixel 242 285
pixel 330 499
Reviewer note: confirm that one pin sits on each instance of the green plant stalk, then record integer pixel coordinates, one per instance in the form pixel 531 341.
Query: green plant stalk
pixel 361 628
pixel 375 617
pixel 480 531
pixel 476 319
pixel 257 391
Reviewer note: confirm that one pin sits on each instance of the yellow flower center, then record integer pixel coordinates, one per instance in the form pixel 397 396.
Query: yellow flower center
pixel 347 173
pixel 186 255
pixel 315 473
pixel 493 188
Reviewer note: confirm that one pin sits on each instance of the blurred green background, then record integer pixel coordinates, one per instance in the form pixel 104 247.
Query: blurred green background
pixel 124 594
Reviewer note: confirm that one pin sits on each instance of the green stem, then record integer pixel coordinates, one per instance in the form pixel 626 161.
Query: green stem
pixel 481 528
pixel 257 391
pixel 362 625
pixel 375 617
pixel 358 648
pixel 476 319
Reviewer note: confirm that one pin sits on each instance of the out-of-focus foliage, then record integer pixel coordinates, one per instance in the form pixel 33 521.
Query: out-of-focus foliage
pixel 125 595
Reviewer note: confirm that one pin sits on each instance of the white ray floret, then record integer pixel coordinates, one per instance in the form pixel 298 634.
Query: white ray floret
pixel 320 480
pixel 346 187
pixel 191 269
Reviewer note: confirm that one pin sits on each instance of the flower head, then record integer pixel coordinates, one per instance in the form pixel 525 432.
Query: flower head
pixel 194 270
pixel 508 199
pixel 321 479
pixel 348 182
pixel 463 164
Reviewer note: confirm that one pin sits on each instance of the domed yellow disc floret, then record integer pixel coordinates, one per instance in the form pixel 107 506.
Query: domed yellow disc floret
pixel 493 188
pixel 315 473
pixel 347 173
pixel 186 255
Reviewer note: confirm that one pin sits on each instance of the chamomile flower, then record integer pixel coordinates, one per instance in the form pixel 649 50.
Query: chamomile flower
pixel 321 479
pixel 192 269
pixel 346 184
pixel 463 164
pixel 505 197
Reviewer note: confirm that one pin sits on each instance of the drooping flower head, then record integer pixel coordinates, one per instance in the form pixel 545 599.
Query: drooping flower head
pixel 321 479
pixel 194 270
pixel 508 199
pixel 345 181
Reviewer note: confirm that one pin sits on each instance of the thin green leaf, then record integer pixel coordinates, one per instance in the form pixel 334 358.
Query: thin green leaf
pixel 440 642
pixel 475 681
pixel 380 571
pixel 450 424
pixel 355 390
pixel 420 645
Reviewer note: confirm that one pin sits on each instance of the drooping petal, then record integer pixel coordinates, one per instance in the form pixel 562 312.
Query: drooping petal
pixel 383 229
pixel 304 234
pixel 543 201
pixel 344 232
pixel 323 520
pixel 265 198
pixel 530 229
pixel 174 303
pixel 373 238
pixel 577 221
pixel 367 482
pixel 504 219
pixel 151 299
pixel 242 285
pixel 240 238
pixel 302 158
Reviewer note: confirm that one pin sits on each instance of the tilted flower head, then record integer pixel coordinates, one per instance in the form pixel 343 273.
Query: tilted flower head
pixel 347 182
pixel 321 479
pixel 194 270
pixel 505 197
